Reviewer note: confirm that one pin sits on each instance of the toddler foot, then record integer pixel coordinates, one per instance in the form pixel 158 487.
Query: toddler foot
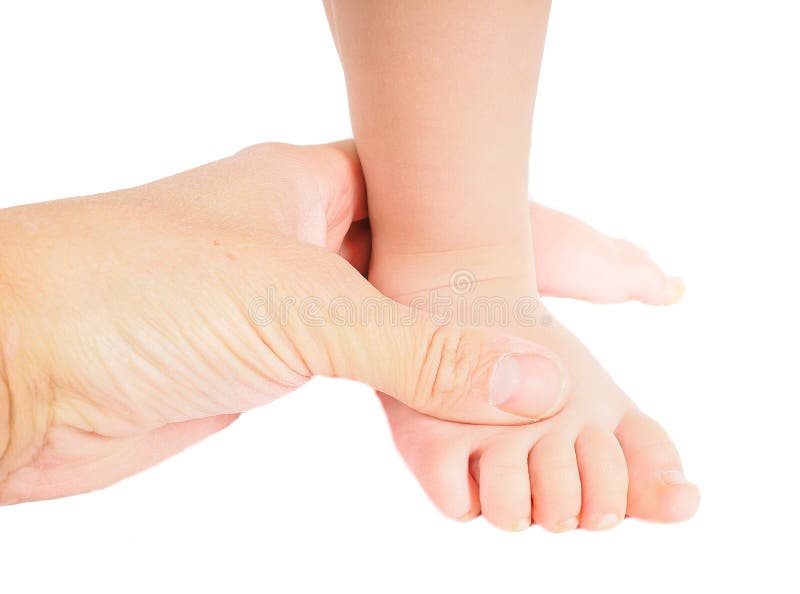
pixel 595 462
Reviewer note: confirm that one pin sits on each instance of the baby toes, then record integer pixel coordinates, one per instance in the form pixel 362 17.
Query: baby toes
pixel 658 491
pixel 443 472
pixel 604 479
pixel 555 483
pixel 433 451
pixel 504 484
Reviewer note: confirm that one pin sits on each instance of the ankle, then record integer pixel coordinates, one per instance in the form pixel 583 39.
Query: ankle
pixel 505 270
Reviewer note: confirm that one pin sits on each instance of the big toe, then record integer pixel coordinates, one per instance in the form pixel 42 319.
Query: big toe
pixel 657 491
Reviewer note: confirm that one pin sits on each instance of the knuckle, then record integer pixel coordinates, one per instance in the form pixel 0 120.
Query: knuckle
pixel 451 361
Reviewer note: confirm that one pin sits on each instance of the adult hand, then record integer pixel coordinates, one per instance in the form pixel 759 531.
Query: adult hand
pixel 135 323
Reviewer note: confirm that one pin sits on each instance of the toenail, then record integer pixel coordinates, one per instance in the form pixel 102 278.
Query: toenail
pixel 674 477
pixel 675 290
pixel 470 515
pixel 606 521
pixel 569 524
pixel 520 525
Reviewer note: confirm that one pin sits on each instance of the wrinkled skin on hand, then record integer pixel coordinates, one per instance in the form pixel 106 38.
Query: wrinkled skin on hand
pixel 126 330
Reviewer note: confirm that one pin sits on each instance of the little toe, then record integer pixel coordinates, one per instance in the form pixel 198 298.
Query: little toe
pixel 555 483
pixel 504 486
pixel 658 491
pixel 604 479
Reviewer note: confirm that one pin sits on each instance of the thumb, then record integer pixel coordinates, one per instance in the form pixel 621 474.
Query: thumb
pixel 437 367
pixel 463 374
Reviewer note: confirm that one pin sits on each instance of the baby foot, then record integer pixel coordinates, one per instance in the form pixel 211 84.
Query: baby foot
pixel 595 462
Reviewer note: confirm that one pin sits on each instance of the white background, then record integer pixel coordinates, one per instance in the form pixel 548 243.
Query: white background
pixel 674 124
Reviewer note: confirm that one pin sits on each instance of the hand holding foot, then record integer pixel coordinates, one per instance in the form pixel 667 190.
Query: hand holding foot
pixel 135 323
